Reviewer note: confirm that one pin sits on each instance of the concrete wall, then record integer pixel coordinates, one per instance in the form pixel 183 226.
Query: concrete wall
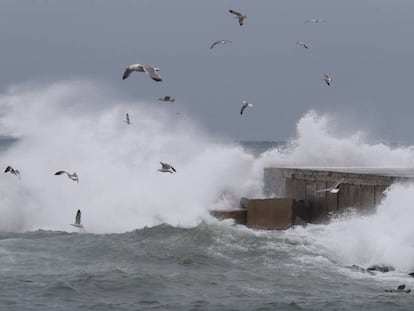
pixel 270 214
pixel 359 190
pixel 266 214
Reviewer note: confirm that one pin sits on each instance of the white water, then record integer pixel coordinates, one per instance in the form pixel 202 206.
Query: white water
pixel 77 126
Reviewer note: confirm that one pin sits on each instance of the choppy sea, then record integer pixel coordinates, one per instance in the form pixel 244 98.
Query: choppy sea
pixel 149 242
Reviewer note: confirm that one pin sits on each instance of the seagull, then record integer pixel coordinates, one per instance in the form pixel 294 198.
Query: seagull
pixel 72 176
pixel 303 44
pixel 152 72
pixel 239 16
pixel 77 223
pixel 315 20
pixel 334 188
pixel 167 99
pixel 219 42
pixel 399 289
pixel 12 171
pixel 167 168
pixel 328 80
pixel 127 121
pixel 245 105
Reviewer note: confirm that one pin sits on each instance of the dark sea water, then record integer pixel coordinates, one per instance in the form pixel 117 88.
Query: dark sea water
pixel 149 242
pixel 209 267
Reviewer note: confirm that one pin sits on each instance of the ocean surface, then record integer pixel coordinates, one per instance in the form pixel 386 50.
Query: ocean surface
pixel 149 242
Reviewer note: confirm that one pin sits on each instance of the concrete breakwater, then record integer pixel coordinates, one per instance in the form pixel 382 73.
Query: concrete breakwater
pixel 294 196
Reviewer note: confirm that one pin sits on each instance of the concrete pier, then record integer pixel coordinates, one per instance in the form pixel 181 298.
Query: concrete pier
pixel 294 197
pixel 362 189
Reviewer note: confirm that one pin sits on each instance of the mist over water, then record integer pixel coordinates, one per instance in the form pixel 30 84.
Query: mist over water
pixel 78 126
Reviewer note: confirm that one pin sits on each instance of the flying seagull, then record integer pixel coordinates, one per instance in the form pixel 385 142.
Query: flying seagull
pixel 167 168
pixel 328 80
pixel 399 289
pixel 239 16
pixel 334 188
pixel 12 171
pixel 303 44
pixel 152 72
pixel 245 105
pixel 315 20
pixel 219 42
pixel 127 121
pixel 72 176
pixel 77 223
pixel 167 99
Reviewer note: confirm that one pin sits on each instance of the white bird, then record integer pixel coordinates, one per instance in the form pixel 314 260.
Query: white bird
pixel 167 99
pixel 328 80
pixel 127 121
pixel 72 176
pixel 334 188
pixel 167 168
pixel 12 171
pixel 303 44
pixel 239 16
pixel 77 223
pixel 315 20
pixel 152 72
pixel 219 42
pixel 245 105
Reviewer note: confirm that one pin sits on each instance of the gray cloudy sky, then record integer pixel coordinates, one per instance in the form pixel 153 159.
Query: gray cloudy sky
pixel 366 45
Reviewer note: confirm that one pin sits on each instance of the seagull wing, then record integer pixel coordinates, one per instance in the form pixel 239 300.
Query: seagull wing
pixel 241 20
pixel 338 183
pixel 173 169
pixel 242 109
pixel 214 44
pixel 324 190
pixel 152 73
pixel 238 14
pixel 127 118
pixel 78 217
pixel 61 172
pixel 165 166
pixel 127 72
pixel 8 169
pixel 401 287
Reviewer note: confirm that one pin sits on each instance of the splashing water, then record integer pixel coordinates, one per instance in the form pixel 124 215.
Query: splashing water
pixel 77 127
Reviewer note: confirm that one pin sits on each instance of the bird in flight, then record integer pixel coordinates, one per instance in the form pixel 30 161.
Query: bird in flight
pixel 127 120
pixel 167 168
pixel 12 171
pixel 167 99
pixel 152 72
pixel 239 16
pixel 219 42
pixel 315 20
pixel 244 106
pixel 302 44
pixel 72 176
pixel 77 223
pixel 328 80
pixel 334 188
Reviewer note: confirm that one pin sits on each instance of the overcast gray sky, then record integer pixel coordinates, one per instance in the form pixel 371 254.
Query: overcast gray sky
pixel 365 45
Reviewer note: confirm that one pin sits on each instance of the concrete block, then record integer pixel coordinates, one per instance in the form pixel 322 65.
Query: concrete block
pixel 270 214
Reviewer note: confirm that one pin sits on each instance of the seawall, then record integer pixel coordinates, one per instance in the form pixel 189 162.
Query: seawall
pixel 293 195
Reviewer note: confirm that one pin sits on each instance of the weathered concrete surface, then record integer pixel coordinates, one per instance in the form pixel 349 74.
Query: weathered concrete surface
pixel 362 191
pixel 239 215
pixel 270 213
pixel 267 214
